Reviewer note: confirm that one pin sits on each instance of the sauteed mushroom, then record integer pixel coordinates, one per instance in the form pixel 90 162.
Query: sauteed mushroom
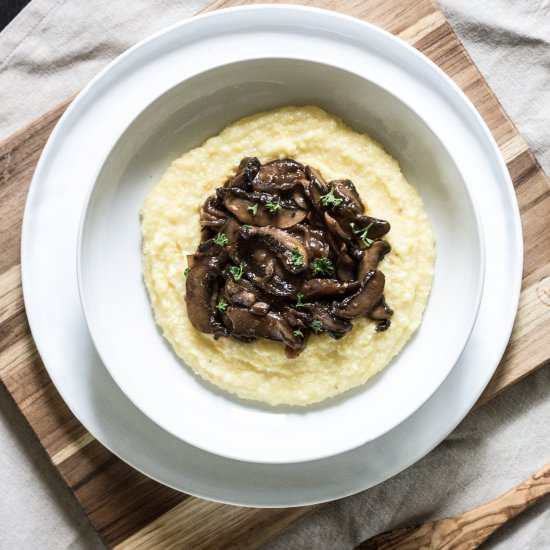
pixel 245 325
pixel 372 257
pixel 246 172
pixel 279 175
pixel 365 299
pixel 290 251
pixel 285 256
pixel 255 209
pixel 315 289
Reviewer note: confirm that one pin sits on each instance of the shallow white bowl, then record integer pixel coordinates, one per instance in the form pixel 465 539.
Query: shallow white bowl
pixel 116 305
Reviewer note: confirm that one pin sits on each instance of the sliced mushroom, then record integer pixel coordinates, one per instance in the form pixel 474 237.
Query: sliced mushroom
pixel 240 209
pixel 264 271
pixel 330 323
pixel 337 229
pixel 383 314
pixel 232 231
pixel 246 172
pixel 316 289
pixel 250 209
pixel 372 257
pixel 243 323
pixel 211 215
pixel 287 217
pixel 345 267
pixel 202 287
pixel 337 245
pixel 207 233
pixel 314 240
pixel 290 251
pixel 298 196
pixel 238 294
pixel 260 308
pixel 378 228
pixel 279 175
pixel 364 300
pixel 274 286
pixel 351 205
pixel 316 188
pixel 296 318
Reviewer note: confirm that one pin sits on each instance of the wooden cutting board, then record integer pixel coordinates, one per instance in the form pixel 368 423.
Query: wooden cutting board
pixel 129 510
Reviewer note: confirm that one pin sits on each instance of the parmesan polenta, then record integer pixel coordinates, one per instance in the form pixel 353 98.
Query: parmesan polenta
pixel 260 370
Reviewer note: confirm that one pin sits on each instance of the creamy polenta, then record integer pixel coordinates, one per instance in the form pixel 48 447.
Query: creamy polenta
pixel 260 370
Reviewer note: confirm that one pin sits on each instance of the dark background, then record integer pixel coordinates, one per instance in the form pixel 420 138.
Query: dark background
pixel 9 9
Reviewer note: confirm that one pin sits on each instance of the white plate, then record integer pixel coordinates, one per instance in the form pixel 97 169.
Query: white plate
pixel 67 169
pixel 119 314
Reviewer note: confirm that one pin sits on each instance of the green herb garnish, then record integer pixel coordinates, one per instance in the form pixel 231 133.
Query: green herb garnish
pixel 222 305
pixel 186 271
pixel 362 233
pixel 237 272
pixel 316 326
pixel 253 209
pixel 299 333
pixel 221 239
pixel 322 266
pixel 296 257
pixel 300 301
pixel 330 200
pixel 273 206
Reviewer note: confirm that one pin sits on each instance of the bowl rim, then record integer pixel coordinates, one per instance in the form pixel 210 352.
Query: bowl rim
pixel 467 186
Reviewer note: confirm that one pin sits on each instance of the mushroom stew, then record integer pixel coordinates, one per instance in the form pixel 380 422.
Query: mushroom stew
pixel 286 256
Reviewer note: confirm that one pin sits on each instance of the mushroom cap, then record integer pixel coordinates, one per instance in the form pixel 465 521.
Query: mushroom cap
pixel 246 172
pixel 315 289
pixel 279 175
pixel 372 257
pixel 245 324
pixel 290 250
pixel 363 301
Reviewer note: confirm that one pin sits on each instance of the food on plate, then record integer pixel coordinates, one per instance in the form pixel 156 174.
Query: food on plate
pixel 272 235
pixel 285 255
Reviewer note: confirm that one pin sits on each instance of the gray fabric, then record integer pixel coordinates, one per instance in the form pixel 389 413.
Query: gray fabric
pixel 509 40
pixel 494 449
pixel 54 47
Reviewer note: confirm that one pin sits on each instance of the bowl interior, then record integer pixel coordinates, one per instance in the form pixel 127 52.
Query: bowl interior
pixel 117 307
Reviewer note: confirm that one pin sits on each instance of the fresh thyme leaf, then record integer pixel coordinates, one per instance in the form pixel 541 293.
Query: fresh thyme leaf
pixel 367 242
pixel 186 271
pixel 237 272
pixel 316 326
pixel 300 301
pixel 330 200
pixel 253 209
pixel 273 206
pixel 299 333
pixel 296 257
pixel 362 233
pixel 221 239
pixel 222 305
pixel 322 266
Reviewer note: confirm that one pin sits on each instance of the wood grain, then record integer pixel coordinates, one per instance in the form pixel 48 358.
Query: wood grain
pixel 470 529
pixel 126 508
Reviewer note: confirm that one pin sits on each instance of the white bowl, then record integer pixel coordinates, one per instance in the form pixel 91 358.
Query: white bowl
pixel 117 308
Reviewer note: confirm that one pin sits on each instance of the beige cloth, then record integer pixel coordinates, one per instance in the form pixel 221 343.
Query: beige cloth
pixel 54 47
